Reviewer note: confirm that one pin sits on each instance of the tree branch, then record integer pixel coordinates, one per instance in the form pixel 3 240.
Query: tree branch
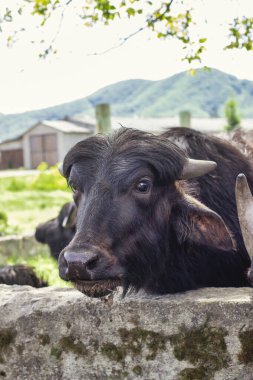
pixel 50 47
pixel 152 20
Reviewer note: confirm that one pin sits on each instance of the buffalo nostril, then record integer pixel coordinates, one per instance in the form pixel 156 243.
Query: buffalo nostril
pixel 92 264
pixel 77 266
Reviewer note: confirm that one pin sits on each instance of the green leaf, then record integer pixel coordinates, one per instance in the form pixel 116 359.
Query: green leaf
pixel 130 12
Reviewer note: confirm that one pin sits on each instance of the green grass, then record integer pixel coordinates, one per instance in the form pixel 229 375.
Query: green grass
pixel 44 266
pixel 26 209
pixel 28 201
pixel 15 183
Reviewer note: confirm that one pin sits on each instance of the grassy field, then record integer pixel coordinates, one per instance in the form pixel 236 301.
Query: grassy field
pixel 24 203
pixel 26 209
pixel 45 267
pixel 27 201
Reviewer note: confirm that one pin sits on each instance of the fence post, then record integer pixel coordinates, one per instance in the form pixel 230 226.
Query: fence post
pixel 103 118
pixel 185 119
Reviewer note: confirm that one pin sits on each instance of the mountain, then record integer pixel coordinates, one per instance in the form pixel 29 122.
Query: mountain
pixel 203 94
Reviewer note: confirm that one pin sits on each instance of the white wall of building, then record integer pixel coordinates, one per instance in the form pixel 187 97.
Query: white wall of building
pixel 68 141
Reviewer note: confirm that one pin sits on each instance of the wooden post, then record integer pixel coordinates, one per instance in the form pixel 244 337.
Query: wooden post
pixel 185 119
pixel 103 118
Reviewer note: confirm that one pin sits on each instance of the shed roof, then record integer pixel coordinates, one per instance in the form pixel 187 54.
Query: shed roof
pixel 63 126
pixel 15 139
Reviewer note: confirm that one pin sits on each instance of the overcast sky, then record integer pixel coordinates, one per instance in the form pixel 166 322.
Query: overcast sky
pixel 27 82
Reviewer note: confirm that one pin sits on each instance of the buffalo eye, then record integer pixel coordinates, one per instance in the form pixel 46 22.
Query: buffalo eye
pixel 143 186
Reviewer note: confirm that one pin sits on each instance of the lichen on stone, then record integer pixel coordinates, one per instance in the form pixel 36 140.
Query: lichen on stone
pixel 69 344
pixel 56 352
pixel 118 374
pixel 193 374
pixel 7 337
pixel 137 370
pixel 204 347
pixel 113 352
pixel 74 345
pixel 20 349
pixel 133 343
pixel 44 339
pixel 135 339
pixel 246 354
pixel 68 325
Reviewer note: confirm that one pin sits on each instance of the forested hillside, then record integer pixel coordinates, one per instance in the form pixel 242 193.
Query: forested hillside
pixel 204 94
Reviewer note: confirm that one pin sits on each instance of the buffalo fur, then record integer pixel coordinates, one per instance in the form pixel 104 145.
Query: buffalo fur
pixel 217 189
pixel 20 275
pixel 241 139
pixel 163 241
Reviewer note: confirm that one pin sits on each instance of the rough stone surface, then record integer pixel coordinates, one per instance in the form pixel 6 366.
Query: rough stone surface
pixel 20 246
pixel 54 333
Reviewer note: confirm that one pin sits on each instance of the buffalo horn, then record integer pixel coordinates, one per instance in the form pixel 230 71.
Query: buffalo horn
pixel 244 202
pixel 196 168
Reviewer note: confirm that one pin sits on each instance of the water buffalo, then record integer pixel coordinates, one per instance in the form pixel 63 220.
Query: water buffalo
pixel 217 190
pixel 241 139
pixel 145 221
pixel 58 232
pixel 20 275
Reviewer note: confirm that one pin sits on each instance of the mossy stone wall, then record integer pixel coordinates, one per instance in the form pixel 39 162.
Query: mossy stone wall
pixel 56 334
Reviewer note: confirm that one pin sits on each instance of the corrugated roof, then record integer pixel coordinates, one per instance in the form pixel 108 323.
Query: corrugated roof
pixel 61 125
pixel 65 126
pixel 11 140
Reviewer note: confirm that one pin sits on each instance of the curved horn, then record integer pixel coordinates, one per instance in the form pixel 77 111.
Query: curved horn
pixel 244 202
pixel 196 168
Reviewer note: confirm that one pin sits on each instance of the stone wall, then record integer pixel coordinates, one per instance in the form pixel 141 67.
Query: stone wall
pixel 61 334
pixel 20 246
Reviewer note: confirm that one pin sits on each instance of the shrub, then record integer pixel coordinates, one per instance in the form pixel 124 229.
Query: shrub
pixel 3 221
pixel 232 116
pixel 48 179
pixel 18 184
pixel 5 228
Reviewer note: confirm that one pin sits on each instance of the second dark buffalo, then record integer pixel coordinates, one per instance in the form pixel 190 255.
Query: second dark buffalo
pixel 145 221
pixel 58 232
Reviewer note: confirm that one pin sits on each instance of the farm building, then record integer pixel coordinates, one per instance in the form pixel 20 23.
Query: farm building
pixel 46 141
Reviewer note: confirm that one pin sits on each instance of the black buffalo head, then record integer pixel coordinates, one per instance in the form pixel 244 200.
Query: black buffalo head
pixel 136 217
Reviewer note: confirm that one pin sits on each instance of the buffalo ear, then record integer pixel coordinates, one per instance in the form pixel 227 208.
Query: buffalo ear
pixel 69 220
pixel 199 224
